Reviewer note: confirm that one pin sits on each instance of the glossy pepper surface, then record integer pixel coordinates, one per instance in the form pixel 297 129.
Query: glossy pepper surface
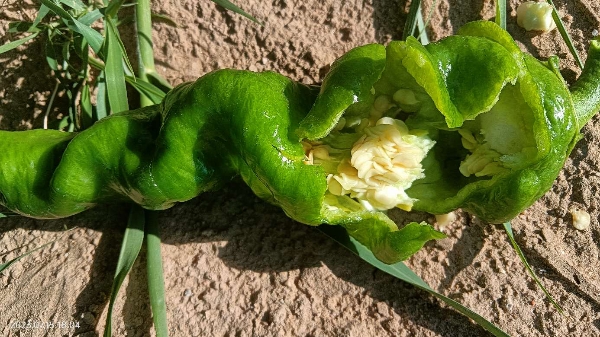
pixel 468 122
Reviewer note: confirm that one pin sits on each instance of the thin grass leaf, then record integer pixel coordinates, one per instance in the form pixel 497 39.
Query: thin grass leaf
pixel 402 272
pixel 75 4
pixel 22 27
pixel 156 283
pixel 511 237
pixel 421 27
pixel 72 107
pixel 14 44
pixel 152 92
pixel 91 17
pixel 565 35
pixel 123 50
pixel 42 12
pixel 94 38
pixel 87 111
pixel 8 213
pixel 113 8
pixel 230 6
pixel 102 105
pixel 51 58
pixel 4 266
pixel 115 76
pixel 415 25
pixel 64 123
pixel 501 13
pixel 164 19
pixel 411 20
pixel 130 248
pixel 159 81
pixel 422 36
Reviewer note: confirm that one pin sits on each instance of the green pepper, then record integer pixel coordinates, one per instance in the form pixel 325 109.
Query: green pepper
pixel 468 122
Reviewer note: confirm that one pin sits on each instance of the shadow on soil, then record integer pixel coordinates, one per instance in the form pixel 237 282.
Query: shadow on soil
pixel 259 238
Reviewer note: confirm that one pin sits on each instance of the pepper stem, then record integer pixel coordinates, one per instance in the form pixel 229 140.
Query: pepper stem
pixel 586 91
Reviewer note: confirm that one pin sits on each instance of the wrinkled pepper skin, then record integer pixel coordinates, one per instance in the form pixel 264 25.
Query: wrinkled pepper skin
pixel 231 123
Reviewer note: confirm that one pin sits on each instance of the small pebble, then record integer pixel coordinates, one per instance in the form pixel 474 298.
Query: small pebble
pixel 187 293
pixel 594 32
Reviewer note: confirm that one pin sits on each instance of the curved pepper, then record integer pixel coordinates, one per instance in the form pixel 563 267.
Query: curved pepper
pixel 431 128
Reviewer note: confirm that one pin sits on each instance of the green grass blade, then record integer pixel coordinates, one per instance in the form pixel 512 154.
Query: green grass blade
pixel 87 114
pixel 511 237
pixel 102 108
pixel 75 4
pixel 22 27
pixel 230 6
pixel 421 27
pixel 91 17
pixel 402 272
pixel 8 214
pixel 152 92
pixel 112 8
pixel 42 12
pixel 565 35
pixel 5 266
pixel 411 20
pixel 130 248
pixel 93 37
pixel 159 81
pixel 123 51
pixel 501 13
pixel 163 18
pixel 14 44
pixel 51 57
pixel 156 283
pixel 111 19
pixel 415 25
pixel 115 75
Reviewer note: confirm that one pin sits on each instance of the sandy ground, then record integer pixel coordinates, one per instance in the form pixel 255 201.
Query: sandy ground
pixel 235 266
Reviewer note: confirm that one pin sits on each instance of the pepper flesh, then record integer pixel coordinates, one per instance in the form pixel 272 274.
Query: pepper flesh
pixel 502 123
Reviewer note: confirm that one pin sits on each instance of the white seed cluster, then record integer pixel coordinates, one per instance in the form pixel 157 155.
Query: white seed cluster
pixel 535 16
pixel 483 161
pixel 384 162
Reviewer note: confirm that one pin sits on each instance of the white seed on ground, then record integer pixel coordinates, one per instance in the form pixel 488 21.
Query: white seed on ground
pixel 581 219
pixel 535 16
pixel 444 220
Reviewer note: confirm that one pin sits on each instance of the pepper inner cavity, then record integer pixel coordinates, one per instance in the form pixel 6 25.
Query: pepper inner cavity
pixel 501 138
pixel 372 160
